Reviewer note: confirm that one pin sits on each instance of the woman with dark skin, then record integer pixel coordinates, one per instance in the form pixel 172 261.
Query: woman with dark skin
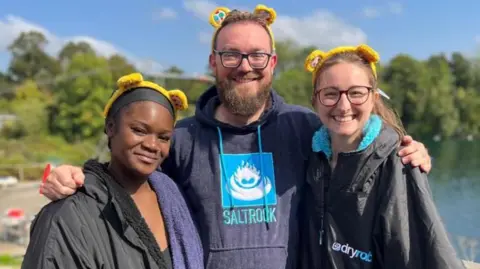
pixel 127 215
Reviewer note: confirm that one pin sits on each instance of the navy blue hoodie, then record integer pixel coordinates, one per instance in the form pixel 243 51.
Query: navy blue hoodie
pixel 243 183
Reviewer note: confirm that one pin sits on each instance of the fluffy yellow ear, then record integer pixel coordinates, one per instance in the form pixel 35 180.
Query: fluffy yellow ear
pixel 313 59
pixel 217 16
pixel 368 53
pixel 129 80
pixel 268 12
pixel 179 99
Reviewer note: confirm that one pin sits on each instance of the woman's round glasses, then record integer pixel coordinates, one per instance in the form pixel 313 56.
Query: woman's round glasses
pixel 356 95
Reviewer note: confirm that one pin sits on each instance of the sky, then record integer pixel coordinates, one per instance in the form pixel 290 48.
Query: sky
pixel 156 34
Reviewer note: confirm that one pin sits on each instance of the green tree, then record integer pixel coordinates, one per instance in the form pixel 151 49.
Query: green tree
pixel 174 70
pixel 28 101
pixel 71 49
pixel 462 71
pixel 441 113
pixel 119 66
pixel 290 55
pixel 468 104
pixel 77 114
pixel 29 60
pixel 292 82
pixel 6 87
pixel 295 86
pixel 476 75
pixel 407 81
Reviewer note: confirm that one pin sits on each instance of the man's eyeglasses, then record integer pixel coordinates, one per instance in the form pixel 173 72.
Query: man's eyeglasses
pixel 233 59
pixel 356 95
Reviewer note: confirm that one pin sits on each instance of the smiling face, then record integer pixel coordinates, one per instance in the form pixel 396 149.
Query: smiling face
pixel 140 136
pixel 344 119
pixel 243 90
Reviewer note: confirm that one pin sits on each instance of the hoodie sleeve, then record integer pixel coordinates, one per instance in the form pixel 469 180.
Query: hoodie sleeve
pixel 58 239
pixel 169 165
pixel 412 234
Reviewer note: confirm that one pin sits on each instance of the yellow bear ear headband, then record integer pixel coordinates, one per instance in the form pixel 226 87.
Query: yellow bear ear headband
pixel 317 58
pixel 218 15
pixel 176 98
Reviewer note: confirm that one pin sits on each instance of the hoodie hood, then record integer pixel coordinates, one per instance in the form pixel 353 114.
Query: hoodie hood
pixel 209 101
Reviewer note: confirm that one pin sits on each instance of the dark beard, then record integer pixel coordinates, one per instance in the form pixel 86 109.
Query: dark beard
pixel 239 105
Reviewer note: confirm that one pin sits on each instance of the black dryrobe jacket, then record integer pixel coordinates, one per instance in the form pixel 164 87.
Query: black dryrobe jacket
pixel 372 211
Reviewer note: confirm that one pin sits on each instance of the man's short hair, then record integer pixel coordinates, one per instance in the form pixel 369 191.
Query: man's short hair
pixel 236 16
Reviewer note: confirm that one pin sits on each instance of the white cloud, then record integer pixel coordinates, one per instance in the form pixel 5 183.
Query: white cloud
pixel 395 7
pixel 200 8
pixel 12 26
pixel 370 12
pixel 321 28
pixel 164 14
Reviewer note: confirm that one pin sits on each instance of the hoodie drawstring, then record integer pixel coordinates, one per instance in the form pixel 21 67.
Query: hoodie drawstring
pixel 262 177
pixel 222 163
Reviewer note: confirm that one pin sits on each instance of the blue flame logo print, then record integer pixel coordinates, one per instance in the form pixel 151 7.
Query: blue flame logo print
pixel 246 184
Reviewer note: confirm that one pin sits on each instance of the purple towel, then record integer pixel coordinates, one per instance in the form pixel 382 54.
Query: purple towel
pixel 184 241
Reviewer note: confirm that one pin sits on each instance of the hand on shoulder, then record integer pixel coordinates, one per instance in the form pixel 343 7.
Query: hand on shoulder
pixel 415 153
pixel 63 181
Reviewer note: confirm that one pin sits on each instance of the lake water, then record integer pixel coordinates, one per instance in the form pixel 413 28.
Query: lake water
pixel 455 183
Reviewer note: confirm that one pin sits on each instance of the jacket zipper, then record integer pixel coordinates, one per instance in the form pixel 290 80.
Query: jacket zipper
pixel 322 234
pixel 322 215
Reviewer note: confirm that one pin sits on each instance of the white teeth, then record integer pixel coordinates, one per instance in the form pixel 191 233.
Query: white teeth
pixel 244 80
pixel 343 118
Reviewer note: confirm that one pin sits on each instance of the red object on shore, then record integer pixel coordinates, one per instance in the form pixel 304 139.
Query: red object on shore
pixel 46 172
pixel 15 213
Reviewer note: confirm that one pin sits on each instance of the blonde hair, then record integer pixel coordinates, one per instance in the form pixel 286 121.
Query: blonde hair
pixel 385 112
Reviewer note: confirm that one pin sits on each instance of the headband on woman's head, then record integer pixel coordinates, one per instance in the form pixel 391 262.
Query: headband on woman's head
pixel 138 89
pixel 317 58
pixel 218 15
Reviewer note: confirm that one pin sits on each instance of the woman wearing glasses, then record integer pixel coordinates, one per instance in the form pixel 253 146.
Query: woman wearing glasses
pixel 364 208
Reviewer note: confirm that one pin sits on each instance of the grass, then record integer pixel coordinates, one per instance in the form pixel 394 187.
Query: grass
pixel 10 261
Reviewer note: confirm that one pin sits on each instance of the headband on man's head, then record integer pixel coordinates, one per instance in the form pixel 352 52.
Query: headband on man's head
pixel 132 88
pixel 218 15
